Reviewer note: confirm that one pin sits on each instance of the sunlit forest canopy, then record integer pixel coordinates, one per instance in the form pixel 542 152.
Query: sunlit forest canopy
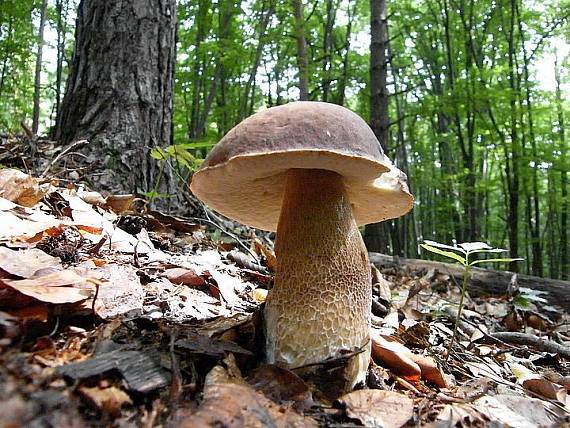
pixel 476 99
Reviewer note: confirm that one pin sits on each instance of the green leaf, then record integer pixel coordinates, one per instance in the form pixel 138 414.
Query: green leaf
pixel 506 260
pixel 448 254
pixel 158 153
pixel 448 247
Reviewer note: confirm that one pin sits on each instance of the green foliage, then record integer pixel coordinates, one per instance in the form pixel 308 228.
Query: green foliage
pixel 479 140
pixel 462 253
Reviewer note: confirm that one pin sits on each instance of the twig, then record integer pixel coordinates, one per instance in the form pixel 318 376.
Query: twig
pixel 532 340
pixel 64 152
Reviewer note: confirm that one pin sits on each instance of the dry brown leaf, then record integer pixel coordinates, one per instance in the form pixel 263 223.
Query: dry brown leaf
pixel 461 415
pixel 120 203
pixel 106 400
pixel 184 276
pixel 20 188
pixel 121 292
pixel 269 254
pixel 238 405
pixel 57 287
pixel 25 263
pixel 260 295
pixel 37 312
pixel 518 411
pixel 537 384
pixel 281 385
pixel 378 408
pixel 391 354
pixel 430 370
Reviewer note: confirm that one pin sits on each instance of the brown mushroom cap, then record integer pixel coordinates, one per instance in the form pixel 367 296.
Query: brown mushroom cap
pixel 243 177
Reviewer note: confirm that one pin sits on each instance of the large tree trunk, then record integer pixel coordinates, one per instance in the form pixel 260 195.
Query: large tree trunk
pixel 119 92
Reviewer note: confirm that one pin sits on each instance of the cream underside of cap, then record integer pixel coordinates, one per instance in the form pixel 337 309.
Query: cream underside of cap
pixel 249 188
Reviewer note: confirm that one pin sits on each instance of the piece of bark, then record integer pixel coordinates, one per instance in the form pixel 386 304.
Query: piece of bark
pixel 141 369
pixel 484 281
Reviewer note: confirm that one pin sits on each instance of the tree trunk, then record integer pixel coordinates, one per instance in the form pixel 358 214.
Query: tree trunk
pixel 565 203
pixel 376 235
pixel 513 178
pixel 61 11
pixel 302 61
pixel 37 80
pixel 331 7
pixel 533 200
pixel 119 92
pixel 350 12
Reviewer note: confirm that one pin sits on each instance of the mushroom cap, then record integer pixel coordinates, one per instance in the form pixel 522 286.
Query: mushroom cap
pixel 243 176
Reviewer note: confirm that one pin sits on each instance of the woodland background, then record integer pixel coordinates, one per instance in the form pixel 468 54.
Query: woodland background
pixel 468 97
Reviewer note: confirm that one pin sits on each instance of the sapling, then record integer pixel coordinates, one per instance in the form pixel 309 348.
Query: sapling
pixel 461 253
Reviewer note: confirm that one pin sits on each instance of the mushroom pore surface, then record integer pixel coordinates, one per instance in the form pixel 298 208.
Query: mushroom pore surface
pixel 321 300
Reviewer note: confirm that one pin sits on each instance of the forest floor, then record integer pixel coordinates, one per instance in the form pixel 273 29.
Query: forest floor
pixel 115 315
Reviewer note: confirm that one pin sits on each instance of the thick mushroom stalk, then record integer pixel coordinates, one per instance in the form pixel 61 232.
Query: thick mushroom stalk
pixel 321 300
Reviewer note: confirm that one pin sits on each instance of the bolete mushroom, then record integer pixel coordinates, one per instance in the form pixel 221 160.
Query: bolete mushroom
pixel 313 172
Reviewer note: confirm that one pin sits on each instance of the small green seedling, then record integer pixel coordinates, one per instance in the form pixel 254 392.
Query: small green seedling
pixel 461 253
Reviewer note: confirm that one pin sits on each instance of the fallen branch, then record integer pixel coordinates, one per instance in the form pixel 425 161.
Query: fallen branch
pixel 531 340
pixel 484 281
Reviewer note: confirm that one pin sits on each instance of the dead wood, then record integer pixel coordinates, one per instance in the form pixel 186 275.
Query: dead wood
pixel 484 281
pixel 531 340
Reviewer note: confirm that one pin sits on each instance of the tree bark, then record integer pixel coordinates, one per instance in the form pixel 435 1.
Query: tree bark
pixel 120 88
pixel 376 235
pixel 38 74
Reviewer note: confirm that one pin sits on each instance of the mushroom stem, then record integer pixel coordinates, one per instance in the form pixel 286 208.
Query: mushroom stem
pixel 320 304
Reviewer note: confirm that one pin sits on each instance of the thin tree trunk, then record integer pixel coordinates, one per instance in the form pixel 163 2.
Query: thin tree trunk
pixel 513 179
pixel 302 61
pixel 565 203
pixel 344 75
pixel 268 9
pixel 62 7
pixel 331 7
pixel 534 201
pixel 37 79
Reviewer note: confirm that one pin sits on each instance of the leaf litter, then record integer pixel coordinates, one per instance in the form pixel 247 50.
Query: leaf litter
pixel 134 317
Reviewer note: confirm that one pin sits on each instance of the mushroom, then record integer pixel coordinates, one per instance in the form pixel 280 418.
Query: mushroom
pixel 313 172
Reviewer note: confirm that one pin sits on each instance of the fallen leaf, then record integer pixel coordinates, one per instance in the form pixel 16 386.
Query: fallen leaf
pixel 184 276
pixel 237 405
pixel 461 415
pixel 57 287
pixel 26 262
pixel 122 291
pixel 120 203
pixel 106 400
pixel 265 251
pixel 393 355
pixel 281 385
pixel 378 408
pixel 518 411
pixel 537 384
pixel 260 295
pixel 20 188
